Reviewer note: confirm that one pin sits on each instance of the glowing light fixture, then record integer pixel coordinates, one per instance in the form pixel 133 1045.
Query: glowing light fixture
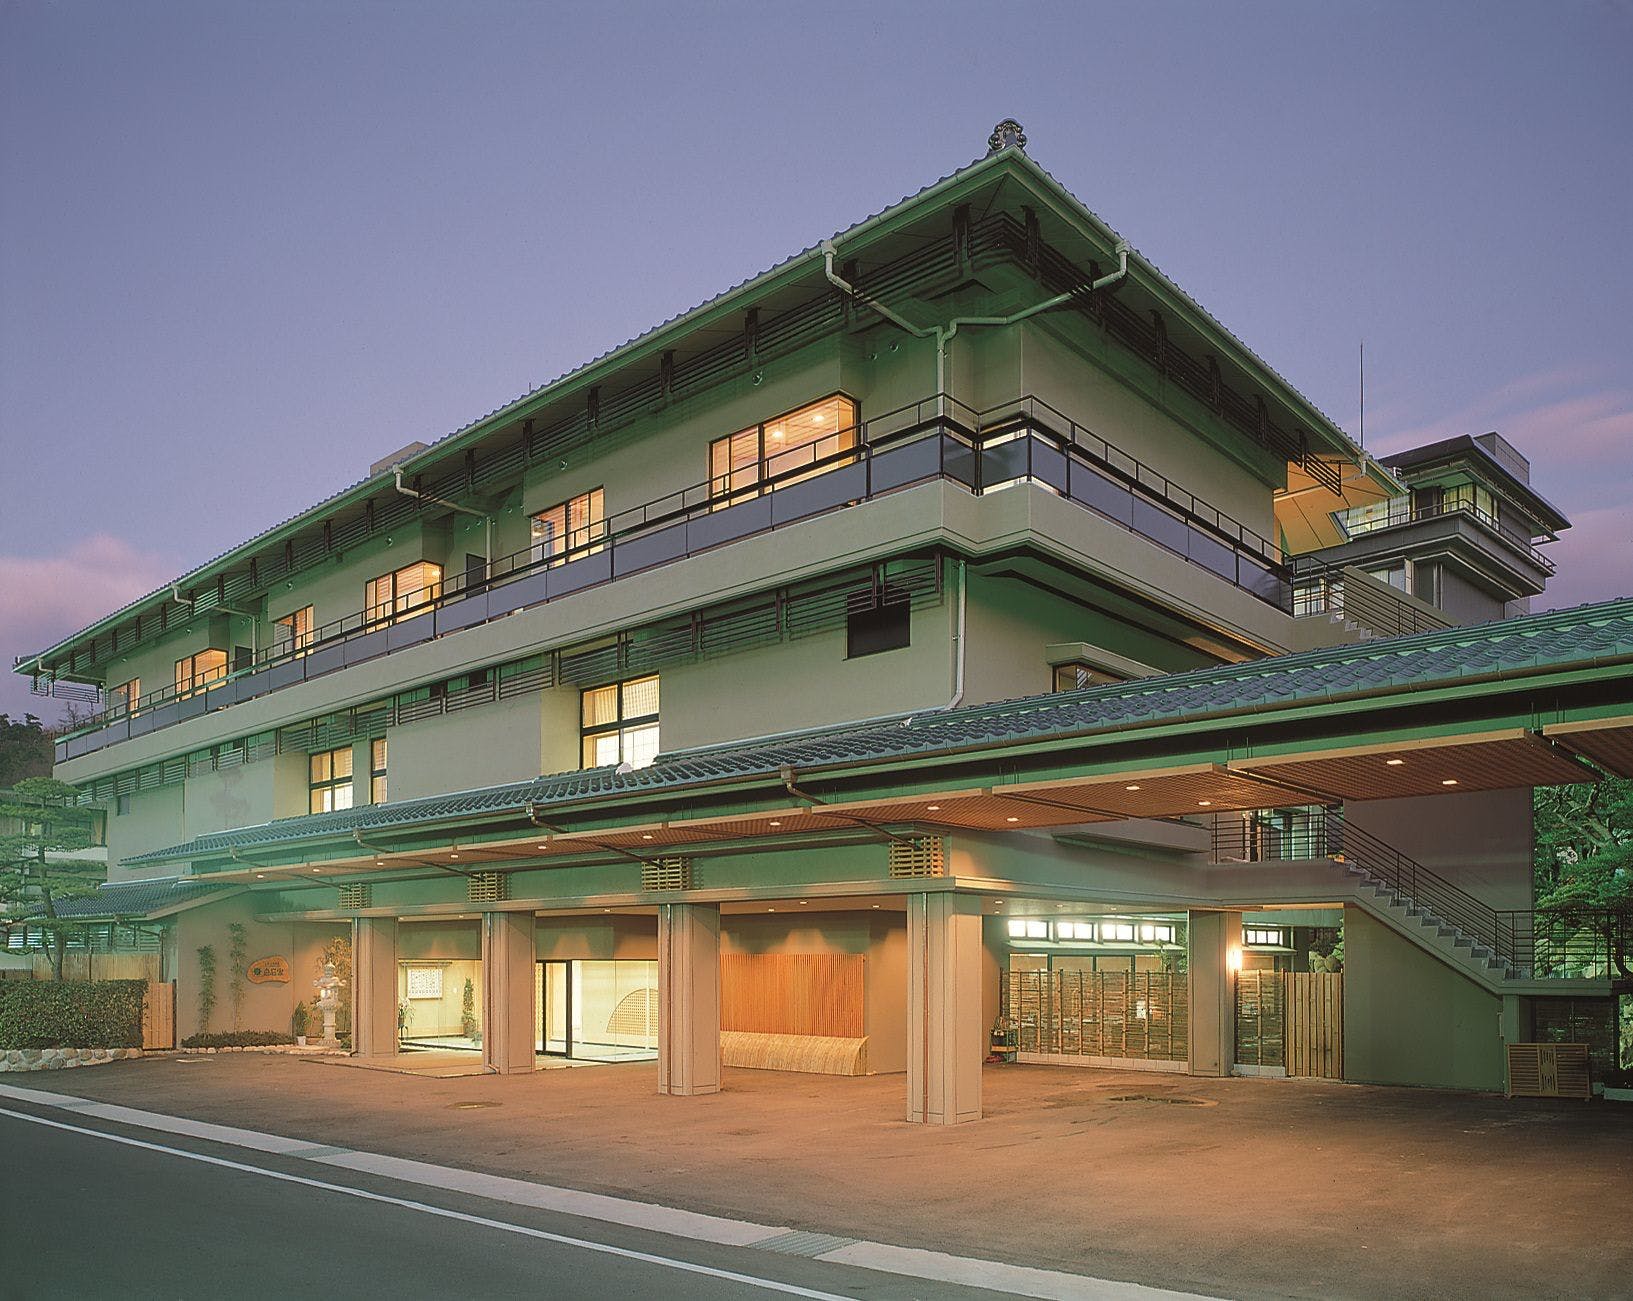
pixel 1394 763
pixel 1448 781
pixel 934 808
pixel 1204 803
pixel 1134 787
pixel 1011 819
pixel 1233 958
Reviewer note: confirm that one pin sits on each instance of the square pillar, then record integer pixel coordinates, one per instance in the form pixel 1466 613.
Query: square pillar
pixel 374 986
pixel 946 1039
pixel 1215 956
pixel 689 998
pixel 509 952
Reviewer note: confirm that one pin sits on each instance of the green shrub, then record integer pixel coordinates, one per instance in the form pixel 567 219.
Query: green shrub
pixel 71 1013
pixel 237 1039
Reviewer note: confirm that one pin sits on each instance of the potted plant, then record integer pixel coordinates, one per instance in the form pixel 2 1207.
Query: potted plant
pixel 467 1013
pixel 299 1021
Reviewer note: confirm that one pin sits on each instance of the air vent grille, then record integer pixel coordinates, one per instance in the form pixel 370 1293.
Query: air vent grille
pixel 357 896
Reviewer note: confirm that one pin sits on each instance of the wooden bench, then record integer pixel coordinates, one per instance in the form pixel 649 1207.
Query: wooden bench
pixel 811 1054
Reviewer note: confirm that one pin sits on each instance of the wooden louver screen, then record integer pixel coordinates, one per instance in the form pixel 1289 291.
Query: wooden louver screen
pixel 487 887
pixel 1144 1015
pixel 356 896
pixel 667 874
pixel 1548 1071
pixel 922 856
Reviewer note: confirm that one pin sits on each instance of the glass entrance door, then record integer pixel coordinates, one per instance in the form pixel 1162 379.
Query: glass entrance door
pixel 555 1004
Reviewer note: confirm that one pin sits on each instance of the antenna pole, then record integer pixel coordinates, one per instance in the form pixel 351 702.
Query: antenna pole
pixel 1363 394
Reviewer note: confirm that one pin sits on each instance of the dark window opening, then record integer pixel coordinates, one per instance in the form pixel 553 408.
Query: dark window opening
pixel 886 627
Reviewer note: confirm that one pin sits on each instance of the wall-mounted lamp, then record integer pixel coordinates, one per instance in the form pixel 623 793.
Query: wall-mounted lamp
pixel 1233 958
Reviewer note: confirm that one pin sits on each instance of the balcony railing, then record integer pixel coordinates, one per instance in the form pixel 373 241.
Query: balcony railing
pixel 1321 588
pixel 1402 512
pixel 1025 441
pixel 1538 944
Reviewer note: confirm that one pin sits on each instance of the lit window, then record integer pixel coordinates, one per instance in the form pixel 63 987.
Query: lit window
pixel 292 633
pixel 1076 675
pixel 198 671
pixel 1270 935
pixel 778 449
pixel 377 771
pixel 1122 932
pixel 331 783
pixel 392 594
pixel 1037 930
pixel 574 527
pixel 1017 928
pixel 620 723
pixel 122 699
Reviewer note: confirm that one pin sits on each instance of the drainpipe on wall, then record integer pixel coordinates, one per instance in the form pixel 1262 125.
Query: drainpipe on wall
pixel 944 334
pixel 397 476
pixel 192 609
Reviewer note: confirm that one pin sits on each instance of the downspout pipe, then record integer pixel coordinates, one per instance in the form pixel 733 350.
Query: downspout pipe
pixel 787 773
pixel 192 609
pixel 397 477
pixel 944 333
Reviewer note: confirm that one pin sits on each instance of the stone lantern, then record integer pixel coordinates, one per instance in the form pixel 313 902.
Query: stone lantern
pixel 328 987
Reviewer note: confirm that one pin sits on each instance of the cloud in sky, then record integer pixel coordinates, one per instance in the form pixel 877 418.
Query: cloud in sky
pixel 44 598
pixel 1578 433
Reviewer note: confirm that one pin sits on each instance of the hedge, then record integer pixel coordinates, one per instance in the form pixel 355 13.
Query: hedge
pixel 237 1039
pixel 71 1013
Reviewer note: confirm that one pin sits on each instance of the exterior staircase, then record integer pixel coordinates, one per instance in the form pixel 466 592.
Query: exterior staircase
pixel 1498 949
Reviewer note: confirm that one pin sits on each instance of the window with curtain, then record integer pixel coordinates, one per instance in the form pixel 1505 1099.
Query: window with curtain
pixel 620 723
pixel 577 526
pixel 740 463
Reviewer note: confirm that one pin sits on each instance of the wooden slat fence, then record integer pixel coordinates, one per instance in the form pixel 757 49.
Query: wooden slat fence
pixel 1315 1024
pixel 159 1015
pixel 1140 1015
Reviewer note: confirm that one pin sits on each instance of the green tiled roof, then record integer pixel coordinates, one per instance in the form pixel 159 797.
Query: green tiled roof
pixel 141 898
pixel 1586 636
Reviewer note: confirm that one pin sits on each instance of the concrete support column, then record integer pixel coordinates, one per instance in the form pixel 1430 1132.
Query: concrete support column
pixel 1216 954
pixel 689 998
pixel 946 1039
pixel 509 981
pixel 374 986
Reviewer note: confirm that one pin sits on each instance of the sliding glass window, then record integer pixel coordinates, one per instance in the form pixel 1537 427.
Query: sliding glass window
pixel 401 590
pixel 331 782
pixel 576 526
pixel 772 454
pixel 197 671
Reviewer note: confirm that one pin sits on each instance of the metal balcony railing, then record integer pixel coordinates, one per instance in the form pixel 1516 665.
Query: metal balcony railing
pixel 1327 589
pixel 938 438
pixel 1540 944
pixel 1402 512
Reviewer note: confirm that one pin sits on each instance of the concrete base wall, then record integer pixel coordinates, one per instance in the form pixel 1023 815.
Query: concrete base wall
pixel 1410 1019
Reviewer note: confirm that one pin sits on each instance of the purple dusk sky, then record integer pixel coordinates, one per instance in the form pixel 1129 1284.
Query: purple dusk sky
pixel 247 249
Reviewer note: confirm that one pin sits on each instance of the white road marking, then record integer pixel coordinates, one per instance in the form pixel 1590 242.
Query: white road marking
pixel 770 1285
pixel 911 1262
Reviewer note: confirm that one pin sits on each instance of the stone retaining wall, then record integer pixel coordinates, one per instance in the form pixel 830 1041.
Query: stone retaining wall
pixel 56 1059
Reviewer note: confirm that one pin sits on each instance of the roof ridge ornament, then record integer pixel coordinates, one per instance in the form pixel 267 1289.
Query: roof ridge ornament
pixel 1006 135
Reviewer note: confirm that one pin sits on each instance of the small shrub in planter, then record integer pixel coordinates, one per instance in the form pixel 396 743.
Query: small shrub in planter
pixel 236 1039
pixel 299 1021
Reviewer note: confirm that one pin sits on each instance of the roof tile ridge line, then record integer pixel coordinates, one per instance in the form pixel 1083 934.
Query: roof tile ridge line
pixel 744 285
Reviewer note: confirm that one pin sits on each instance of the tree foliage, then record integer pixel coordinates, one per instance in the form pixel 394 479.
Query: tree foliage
pixel 40 826
pixel 25 749
pixel 1583 863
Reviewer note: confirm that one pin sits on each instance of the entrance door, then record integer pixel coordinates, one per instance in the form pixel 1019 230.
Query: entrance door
pixel 555 1004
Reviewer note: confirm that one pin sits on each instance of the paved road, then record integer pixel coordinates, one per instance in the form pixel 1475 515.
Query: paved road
pixel 84 1214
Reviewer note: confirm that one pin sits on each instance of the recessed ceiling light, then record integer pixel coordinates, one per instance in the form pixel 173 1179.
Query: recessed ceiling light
pixel 1448 781
pixel 775 823
pixel 1134 787
pixel 645 835
pixel 805 901
pixel 1011 819
pixel 453 855
pixel 260 876
pixel 317 869
pixel 934 808
pixel 1204 803
pixel 1394 763
pixel 544 846
pixel 771 910
pixel 875 905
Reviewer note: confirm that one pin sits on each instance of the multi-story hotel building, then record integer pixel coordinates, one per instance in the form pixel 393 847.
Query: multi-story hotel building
pixel 746 591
